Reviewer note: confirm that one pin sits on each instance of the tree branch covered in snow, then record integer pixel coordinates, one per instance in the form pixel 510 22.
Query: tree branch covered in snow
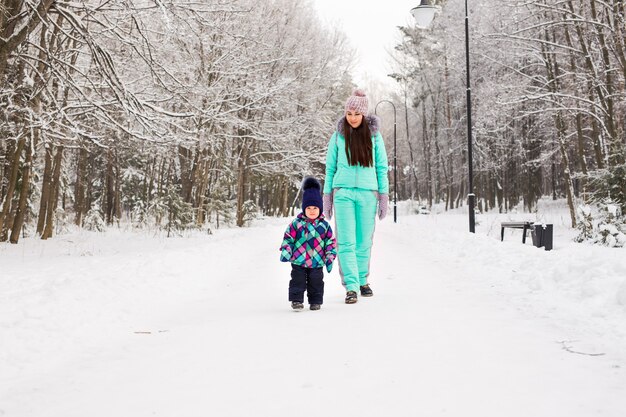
pixel 200 100
pixel 548 101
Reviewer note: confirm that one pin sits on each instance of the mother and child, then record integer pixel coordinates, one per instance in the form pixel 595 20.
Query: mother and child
pixel 356 190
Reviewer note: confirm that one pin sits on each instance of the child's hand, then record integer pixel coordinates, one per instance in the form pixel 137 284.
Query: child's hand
pixel 285 254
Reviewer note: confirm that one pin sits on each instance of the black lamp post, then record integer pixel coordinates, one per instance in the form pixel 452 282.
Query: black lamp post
pixel 424 14
pixel 395 175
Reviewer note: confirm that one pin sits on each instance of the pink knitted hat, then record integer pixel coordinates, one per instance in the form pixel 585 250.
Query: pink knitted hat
pixel 357 102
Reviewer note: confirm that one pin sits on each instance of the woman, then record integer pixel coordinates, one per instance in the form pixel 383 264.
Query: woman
pixel 356 189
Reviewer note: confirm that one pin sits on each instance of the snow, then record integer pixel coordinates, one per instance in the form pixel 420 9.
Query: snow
pixel 129 323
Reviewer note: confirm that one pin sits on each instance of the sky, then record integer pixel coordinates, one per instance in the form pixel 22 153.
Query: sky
pixel 130 323
pixel 371 27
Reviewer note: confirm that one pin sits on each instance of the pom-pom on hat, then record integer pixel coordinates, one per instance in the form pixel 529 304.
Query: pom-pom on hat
pixel 357 102
pixel 312 194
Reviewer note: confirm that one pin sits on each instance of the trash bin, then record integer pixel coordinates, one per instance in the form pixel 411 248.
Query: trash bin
pixel 546 237
pixel 542 236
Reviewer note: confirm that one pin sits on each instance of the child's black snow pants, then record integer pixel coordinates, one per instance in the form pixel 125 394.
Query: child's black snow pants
pixel 310 280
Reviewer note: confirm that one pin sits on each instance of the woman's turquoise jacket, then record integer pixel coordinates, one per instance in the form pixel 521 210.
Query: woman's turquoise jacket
pixel 340 174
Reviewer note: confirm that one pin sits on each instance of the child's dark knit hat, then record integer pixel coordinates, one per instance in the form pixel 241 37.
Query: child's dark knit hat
pixel 311 194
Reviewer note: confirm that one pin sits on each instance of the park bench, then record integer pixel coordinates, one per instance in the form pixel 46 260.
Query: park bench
pixel 541 234
pixel 515 225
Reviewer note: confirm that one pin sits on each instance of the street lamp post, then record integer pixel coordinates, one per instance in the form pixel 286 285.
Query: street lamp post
pixel 424 14
pixel 395 175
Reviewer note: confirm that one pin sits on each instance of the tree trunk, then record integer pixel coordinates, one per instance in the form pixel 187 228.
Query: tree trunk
pixel 285 199
pixel 579 116
pixel 6 208
pixel 603 91
pixel 242 179
pixel 597 144
pixel 79 187
pixel 6 150
pixel 45 190
pixel 18 222
pixel 186 160
pixel 569 186
pixel 616 156
pixel 117 212
pixel 109 183
pixel 618 23
pixel 426 146
pixel 552 71
pixel 413 168
pixel 54 194
pixel 11 21
pixel 581 143
pixel 500 197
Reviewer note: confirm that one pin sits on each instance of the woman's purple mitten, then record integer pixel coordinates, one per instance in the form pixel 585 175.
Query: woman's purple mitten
pixel 327 201
pixel 383 205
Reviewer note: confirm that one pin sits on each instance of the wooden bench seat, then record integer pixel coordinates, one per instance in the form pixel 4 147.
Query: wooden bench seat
pixel 515 225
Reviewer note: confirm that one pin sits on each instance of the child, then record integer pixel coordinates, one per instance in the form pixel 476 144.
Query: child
pixel 309 245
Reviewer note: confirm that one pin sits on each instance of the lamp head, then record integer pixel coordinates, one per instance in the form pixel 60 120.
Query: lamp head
pixel 424 14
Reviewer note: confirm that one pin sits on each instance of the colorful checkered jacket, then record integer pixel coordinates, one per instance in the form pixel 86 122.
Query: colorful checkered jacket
pixel 309 243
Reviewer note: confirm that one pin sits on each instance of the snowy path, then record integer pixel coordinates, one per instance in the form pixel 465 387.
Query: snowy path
pixel 448 332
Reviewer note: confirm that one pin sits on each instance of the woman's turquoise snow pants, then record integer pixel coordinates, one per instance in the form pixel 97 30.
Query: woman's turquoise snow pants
pixel 355 215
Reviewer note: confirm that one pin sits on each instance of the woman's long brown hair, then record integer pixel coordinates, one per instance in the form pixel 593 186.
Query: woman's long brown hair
pixel 358 144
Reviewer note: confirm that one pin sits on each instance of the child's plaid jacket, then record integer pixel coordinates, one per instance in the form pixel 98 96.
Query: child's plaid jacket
pixel 309 243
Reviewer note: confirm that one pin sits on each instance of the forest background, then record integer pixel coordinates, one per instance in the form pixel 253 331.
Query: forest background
pixel 182 114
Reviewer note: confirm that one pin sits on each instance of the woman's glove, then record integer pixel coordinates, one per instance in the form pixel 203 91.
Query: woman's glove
pixel 327 201
pixel 383 205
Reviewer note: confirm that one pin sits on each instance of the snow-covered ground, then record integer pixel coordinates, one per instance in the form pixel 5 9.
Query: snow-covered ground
pixel 135 324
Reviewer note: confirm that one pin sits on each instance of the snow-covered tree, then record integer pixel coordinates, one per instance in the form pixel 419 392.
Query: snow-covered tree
pixel 548 93
pixel 193 97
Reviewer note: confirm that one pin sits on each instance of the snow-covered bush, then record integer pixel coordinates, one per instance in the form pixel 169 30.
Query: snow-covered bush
pixel 421 209
pixel 139 214
pixel 608 229
pixel 609 185
pixel 221 205
pixel 62 221
pixel 585 223
pixel 134 194
pixel 611 228
pixel 178 214
pixel 94 220
pixel 157 209
pixel 250 211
